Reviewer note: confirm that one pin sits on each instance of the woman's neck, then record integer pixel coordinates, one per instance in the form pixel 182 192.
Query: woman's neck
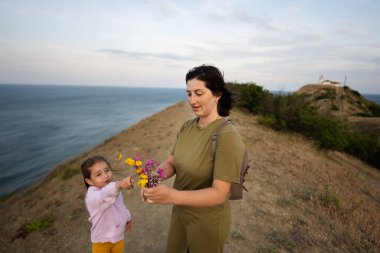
pixel 205 121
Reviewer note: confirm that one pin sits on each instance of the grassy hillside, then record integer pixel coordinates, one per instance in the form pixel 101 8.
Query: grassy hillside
pixel 339 101
pixel 328 115
pixel 300 199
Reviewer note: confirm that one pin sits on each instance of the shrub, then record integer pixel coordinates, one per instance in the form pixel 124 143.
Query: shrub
pixel 375 109
pixel 281 240
pixel 37 225
pixel 329 199
pixel 250 96
pixel 268 121
pixel 327 94
pixel 334 107
pixel 68 173
pixel 294 113
pixel 367 148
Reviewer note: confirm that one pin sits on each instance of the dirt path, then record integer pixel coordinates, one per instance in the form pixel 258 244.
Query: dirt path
pixel 299 199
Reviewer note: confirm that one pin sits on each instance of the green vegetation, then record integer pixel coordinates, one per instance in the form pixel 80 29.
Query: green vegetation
pixel 38 225
pixel 374 110
pixel 294 113
pixel 68 173
pixel 281 240
pixel 327 93
pixel 330 199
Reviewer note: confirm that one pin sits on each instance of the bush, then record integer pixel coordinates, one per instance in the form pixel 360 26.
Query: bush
pixel 375 109
pixel 327 93
pixel 68 173
pixel 250 96
pixel 37 225
pixel 366 148
pixel 330 199
pixel 294 113
pixel 269 121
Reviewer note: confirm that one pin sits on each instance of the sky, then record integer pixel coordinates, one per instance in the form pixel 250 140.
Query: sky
pixel 280 45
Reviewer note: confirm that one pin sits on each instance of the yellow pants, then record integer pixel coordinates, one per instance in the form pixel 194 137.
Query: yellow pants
pixel 108 247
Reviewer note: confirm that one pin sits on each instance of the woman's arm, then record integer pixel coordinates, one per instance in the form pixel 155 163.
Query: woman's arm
pixel 215 195
pixel 168 167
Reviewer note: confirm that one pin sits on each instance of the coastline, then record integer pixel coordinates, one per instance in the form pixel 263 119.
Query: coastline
pixel 43 126
pixel 283 199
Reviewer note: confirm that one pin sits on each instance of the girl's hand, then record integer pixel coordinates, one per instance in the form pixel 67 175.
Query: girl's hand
pixel 160 194
pixel 125 183
pixel 128 226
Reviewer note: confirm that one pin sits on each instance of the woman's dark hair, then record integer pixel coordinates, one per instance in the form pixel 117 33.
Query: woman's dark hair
pixel 214 81
pixel 86 165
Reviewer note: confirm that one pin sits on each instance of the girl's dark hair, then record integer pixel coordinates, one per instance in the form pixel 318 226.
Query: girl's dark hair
pixel 86 165
pixel 214 81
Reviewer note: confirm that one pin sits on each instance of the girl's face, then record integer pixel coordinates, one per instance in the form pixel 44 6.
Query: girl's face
pixel 101 175
pixel 202 101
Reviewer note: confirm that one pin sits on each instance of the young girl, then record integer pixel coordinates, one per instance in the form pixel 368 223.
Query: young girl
pixel 108 215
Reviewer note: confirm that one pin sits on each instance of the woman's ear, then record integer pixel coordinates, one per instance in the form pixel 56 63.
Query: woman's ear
pixel 217 97
pixel 88 181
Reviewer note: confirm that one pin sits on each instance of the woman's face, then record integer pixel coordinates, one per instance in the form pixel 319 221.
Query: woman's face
pixel 202 101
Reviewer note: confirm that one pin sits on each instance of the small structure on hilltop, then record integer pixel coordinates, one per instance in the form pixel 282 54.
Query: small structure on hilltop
pixel 323 81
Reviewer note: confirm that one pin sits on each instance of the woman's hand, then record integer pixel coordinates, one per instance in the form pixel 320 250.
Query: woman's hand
pixel 160 194
pixel 211 196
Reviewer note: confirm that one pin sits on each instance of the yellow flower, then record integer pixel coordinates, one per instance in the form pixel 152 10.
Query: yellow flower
pixel 139 171
pixel 120 157
pixel 143 176
pixel 130 161
pixel 138 163
pixel 142 183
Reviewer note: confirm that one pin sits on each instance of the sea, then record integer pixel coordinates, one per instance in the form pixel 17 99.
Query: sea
pixel 42 126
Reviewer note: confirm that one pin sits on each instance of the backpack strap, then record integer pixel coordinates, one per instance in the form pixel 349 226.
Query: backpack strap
pixel 216 135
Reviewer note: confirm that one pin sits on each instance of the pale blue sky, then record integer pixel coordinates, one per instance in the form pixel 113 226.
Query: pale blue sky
pixel 280 45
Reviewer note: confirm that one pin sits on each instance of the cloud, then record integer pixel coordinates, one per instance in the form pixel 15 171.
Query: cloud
pixel 269 42
pixel 146 55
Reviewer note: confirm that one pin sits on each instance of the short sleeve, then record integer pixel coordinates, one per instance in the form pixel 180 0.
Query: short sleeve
pixel 184 125
pixel 229 156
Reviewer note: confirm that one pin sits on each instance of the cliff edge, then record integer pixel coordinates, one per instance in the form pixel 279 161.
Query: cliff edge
pixel 299 199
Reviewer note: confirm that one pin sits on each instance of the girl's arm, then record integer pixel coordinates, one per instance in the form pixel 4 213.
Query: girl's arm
pixel 217 194
pixel 101 199
pixel 125 183
pixel 168 167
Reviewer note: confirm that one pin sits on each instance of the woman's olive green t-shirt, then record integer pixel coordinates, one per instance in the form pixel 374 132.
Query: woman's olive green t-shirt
pixel 204 228
pixel 194 162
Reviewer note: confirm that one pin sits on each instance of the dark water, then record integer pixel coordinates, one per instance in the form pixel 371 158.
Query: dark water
pixel 41 126
pixel 373 97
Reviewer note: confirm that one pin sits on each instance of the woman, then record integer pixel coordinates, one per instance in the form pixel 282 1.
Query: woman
pixel 201 216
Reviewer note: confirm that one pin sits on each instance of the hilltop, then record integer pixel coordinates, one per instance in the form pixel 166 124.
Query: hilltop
pixel 337 100
pixel 343 102
pixel 299 199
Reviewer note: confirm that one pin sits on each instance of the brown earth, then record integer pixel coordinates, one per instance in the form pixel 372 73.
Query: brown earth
pixel 336 100
pixel 344 103
pixel 300 199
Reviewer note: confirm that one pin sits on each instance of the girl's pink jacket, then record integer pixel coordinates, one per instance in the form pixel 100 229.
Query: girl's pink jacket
pixel 108 213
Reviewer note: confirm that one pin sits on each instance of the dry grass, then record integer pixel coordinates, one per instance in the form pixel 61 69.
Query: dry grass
pixel 300 199
pixel 310 200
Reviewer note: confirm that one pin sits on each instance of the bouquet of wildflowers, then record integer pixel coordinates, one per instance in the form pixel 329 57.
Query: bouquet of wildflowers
pixel 150 174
